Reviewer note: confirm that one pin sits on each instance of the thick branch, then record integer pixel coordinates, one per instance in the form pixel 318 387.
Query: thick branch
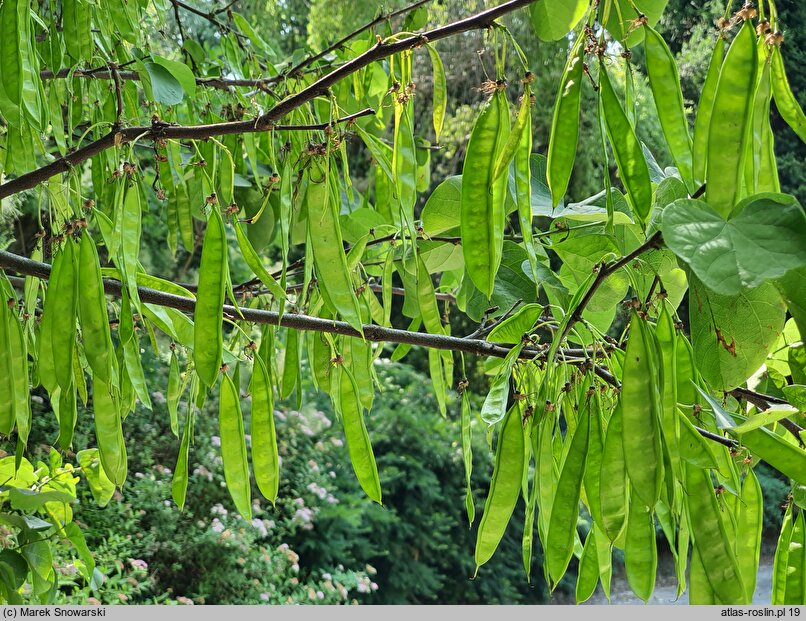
pixel 265 122
pixel 157 130
pixel 374 333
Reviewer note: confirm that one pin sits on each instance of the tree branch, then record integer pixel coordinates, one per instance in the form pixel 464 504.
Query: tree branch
pixel 371 332
pixel 265 122
pixel 158 129
pixel 374 333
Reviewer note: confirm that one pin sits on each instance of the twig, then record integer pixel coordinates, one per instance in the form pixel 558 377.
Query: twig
pixel 763 402
pixel 265 122
pixel 340 43
pixel 118 95
pixel 699 191
pixel 320 126
pixel 373 242
pixel 179 25
pixel 655 282
pixel 210 17
pixel 729 442
pixel 484 330
pixel 398 291
pixel 605 270
pixel 225 8
pixel 758 399
pixel 374 333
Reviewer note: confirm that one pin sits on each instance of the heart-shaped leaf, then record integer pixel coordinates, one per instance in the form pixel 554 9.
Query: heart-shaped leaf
pixel 512 329
pixel 763 240
pixel 181 73
pixel 165 87
pixel 733 334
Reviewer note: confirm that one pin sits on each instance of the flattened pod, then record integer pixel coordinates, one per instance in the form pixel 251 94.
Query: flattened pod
pixel 18 361
pixel 128 229
pixel 179 484
pixel 359 446
pixel 482 202
pixel 632 165
pixel 710 537
pixel 174 393
pixel 505 486
pixel 640 551
pixel 729 136
pixel 440 90
pixel 208 336
pixel 109 432
pixel 665 84
pixel 750 524
pixel 404 166
pixel 94 319
pixel 7 384
pixel 588 575
pixel 63 315
pixel 565 124
pixel 785 100
pixel 665 334
pixel 265 459
pixel 233 447
pixel 641 414
pixel 76 25
pixel 327 247
pixel 565 508
pixel 796 563
pixel 702 123
pixel 781 561
pixel 467 456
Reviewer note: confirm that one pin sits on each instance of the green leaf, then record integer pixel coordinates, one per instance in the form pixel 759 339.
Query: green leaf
pixel 442 209
pixel 76 537
pixel 30 500
pixel 38 554
pixel 767 417
pixel 180 72
pixel 793 289
pixel 512 329
pixel 733 334
pixel 581 253
pixel 24 521
pixel 796 395
pixel 164 86
pixel 13 567
pixel 553 19
pixel 763 240
pixel 769 446
pixel 101 487
pixel 512 283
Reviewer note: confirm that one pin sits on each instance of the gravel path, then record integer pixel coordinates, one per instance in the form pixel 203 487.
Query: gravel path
pixel 666 589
